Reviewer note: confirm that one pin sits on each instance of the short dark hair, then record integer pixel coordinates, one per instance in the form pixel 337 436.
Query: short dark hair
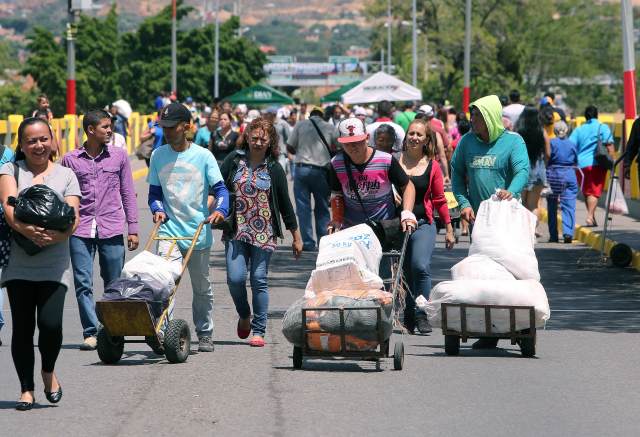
pixel 503 100
pixel 408 105
pixel 315 112
pixel 384 108
pixel 514 96
pixel 93 118
pixel 590 112
pixel 551 95
pixel 463 126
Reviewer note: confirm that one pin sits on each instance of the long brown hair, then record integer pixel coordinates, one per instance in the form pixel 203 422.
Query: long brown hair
pixel 429 148
pixel 30 121
pixel 262 123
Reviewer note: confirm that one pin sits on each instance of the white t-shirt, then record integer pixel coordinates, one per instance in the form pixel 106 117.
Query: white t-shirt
pixel 513 111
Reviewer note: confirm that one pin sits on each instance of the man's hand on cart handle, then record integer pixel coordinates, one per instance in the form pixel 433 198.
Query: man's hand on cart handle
pixel 468 215
pixel 333 227
pixel 215 218
pixel 159 216
pixel 408 221
pixel 133 241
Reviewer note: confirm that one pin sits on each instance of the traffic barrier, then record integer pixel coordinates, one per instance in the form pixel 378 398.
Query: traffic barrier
pixel 69 133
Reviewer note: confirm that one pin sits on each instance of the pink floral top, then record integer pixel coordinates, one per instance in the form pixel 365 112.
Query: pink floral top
pixel 253 214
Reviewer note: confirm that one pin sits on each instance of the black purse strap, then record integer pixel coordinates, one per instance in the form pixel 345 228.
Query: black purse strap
pixel 322 138
pixel 352 183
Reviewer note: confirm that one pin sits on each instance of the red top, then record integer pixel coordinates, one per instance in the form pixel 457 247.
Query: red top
pixel 434 197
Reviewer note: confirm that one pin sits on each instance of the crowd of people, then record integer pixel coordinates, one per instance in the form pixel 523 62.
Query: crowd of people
pixel 228 166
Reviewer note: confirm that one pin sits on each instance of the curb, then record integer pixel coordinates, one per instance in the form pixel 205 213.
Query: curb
pixel 593 239
pixel 140 173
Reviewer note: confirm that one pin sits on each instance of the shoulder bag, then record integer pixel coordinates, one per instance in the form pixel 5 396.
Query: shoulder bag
pixel 389 232
pixel 603 158
pixel 228 225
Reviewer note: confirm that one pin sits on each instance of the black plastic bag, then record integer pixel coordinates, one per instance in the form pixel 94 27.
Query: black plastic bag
pixel 135 289
pixel 41 206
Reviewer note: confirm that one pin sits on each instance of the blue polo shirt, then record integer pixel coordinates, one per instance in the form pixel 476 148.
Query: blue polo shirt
pixel 586 139
pixel 202 137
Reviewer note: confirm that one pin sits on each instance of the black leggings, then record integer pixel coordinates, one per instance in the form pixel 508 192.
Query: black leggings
pixel 27 298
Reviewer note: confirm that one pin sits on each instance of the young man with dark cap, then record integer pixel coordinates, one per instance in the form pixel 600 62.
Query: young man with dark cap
pixel 181 176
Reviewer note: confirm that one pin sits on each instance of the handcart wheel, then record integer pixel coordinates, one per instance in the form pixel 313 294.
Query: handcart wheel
pixel 398 355
pixel 452 344
pixel 528 347
pixel 621 255
pixel 297 357
pixel 177 341
pixel 109 348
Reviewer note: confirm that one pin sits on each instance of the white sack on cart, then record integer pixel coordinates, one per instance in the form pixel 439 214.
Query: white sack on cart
pixel 152 269
pixel 480 267
pixel 505 232
pixel 344 276
pixel 487 292
pixel 347 260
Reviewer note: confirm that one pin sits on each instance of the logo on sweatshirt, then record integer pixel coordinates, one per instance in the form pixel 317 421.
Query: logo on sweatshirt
pixel 484 161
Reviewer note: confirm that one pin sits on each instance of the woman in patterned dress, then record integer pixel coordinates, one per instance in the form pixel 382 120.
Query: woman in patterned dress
pixel 261 198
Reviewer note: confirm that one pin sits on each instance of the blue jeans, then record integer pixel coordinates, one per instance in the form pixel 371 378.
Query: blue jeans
pixel 309 181
pixel 111 260
pixel 241 255
pixel 417 264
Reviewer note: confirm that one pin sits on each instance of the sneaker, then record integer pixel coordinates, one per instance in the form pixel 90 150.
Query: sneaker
pixel 485 343
pixel 205 344
pixel 422 324
pixel 256 341
pixel 89 344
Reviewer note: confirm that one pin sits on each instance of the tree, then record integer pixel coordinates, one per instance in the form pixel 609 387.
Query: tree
pixel 520 43
pixel 15 100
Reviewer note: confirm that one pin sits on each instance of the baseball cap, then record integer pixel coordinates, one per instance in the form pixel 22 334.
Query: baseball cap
pixel 252 115
pixel 189 99
pixel 351 130
pixel 271 110
pixel 426 109
pixel 359 110
pixel 174 113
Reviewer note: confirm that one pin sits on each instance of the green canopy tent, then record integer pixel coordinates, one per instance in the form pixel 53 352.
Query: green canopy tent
pixel 334 96
pixel 260 94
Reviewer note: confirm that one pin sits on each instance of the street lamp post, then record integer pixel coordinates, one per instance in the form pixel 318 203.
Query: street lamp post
pixel 466 92
pixel 414 52
pixel 174 57
pixel 388 36
pixel 216 68
pixel 71 60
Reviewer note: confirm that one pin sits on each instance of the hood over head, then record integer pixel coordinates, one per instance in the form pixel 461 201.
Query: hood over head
pixel 491 111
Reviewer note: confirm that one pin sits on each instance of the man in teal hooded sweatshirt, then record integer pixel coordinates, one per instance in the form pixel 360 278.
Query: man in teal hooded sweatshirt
pixel 488 158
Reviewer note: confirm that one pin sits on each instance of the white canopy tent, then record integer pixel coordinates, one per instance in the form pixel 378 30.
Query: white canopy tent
pixel 382 86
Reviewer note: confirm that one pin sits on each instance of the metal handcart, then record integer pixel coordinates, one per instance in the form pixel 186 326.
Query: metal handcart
pixel 525 338
pixel 121 319
pixel 384 345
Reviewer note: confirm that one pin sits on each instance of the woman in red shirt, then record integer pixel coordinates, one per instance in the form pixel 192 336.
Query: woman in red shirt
pixel 417 160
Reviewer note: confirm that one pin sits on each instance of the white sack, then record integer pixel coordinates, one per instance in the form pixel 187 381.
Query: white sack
pixel 487 292
pixel 480 267
pixel 358 243
pixel 152 269
pixel 505 232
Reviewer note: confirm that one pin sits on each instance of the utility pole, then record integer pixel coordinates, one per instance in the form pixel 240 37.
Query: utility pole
pixel 629 78
pixel 381 59
pixel 71 59
pixel 388 36
pixel 466 92
pixel 216 68
pixel 174 49
pixel 414 49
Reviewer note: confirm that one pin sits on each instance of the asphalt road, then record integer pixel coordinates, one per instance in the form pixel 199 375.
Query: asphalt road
pixel 584 381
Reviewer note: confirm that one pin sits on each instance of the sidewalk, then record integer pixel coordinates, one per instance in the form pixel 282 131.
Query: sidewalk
pixel 621 229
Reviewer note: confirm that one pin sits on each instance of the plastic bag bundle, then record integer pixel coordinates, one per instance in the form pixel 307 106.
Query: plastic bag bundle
pixel 41 206
pixel 505 232
pixel 617 203
pixel 487 292
pixel 135 289
pixel 152 269
pixel 360 325
pixel 347 260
